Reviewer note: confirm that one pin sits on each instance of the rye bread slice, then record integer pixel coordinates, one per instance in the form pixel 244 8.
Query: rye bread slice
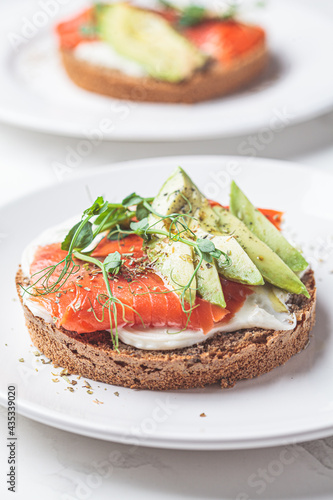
pixel 214 81
pixel 224 358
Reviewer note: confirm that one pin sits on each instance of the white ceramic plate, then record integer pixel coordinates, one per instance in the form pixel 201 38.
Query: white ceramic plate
pixel 36 93
pixel 291 403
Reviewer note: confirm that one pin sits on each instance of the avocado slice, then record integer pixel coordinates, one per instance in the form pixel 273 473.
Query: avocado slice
pixel 174 260
pixel 272 268
pixel 208 282
pixel 259 225
pixel 145 37
pixel 242 268
pixel 179 195
pixel 276 297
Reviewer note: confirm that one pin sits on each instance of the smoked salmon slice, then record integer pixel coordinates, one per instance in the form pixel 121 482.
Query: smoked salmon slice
pixel 225 40
pixel 76 30
pixel 159 300
pixel 131 245
pixel 141 296
pixel 142 302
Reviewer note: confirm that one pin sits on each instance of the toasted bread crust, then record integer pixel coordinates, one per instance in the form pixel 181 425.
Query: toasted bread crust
pixel 224 359
pixel 214 81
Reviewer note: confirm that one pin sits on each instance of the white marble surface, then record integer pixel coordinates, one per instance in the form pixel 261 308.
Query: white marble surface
pixel 57 465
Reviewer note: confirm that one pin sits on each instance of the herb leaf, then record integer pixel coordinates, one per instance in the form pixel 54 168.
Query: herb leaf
pixel 205 245
pixel 112 262
pixel 208 250
pixel 207 257
pixel 97 207
pixel 142 212
pixel 83 239
pixel 132 199
pixel 140 227
pixel 217 253
pixel 192 15
pixel 103 215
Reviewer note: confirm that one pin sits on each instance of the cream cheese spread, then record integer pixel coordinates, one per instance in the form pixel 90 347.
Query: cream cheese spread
pixel 103 54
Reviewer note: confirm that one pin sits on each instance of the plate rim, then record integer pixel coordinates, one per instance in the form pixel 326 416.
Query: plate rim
pixel 117 165
pixel 44 127
pixel 204 444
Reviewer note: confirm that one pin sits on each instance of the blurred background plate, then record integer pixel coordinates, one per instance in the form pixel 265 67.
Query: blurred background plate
pixel 36 93
pixel 290 404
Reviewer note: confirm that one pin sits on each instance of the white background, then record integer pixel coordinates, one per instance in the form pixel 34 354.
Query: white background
pixel 57 465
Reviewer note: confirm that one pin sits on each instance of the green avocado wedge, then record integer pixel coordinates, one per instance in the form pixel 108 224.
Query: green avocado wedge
pixel 208 282
pixel 146 38
pixel 241 269
pixel 272 268
pixel 174 260
pixel 179 195
pixel 259 225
